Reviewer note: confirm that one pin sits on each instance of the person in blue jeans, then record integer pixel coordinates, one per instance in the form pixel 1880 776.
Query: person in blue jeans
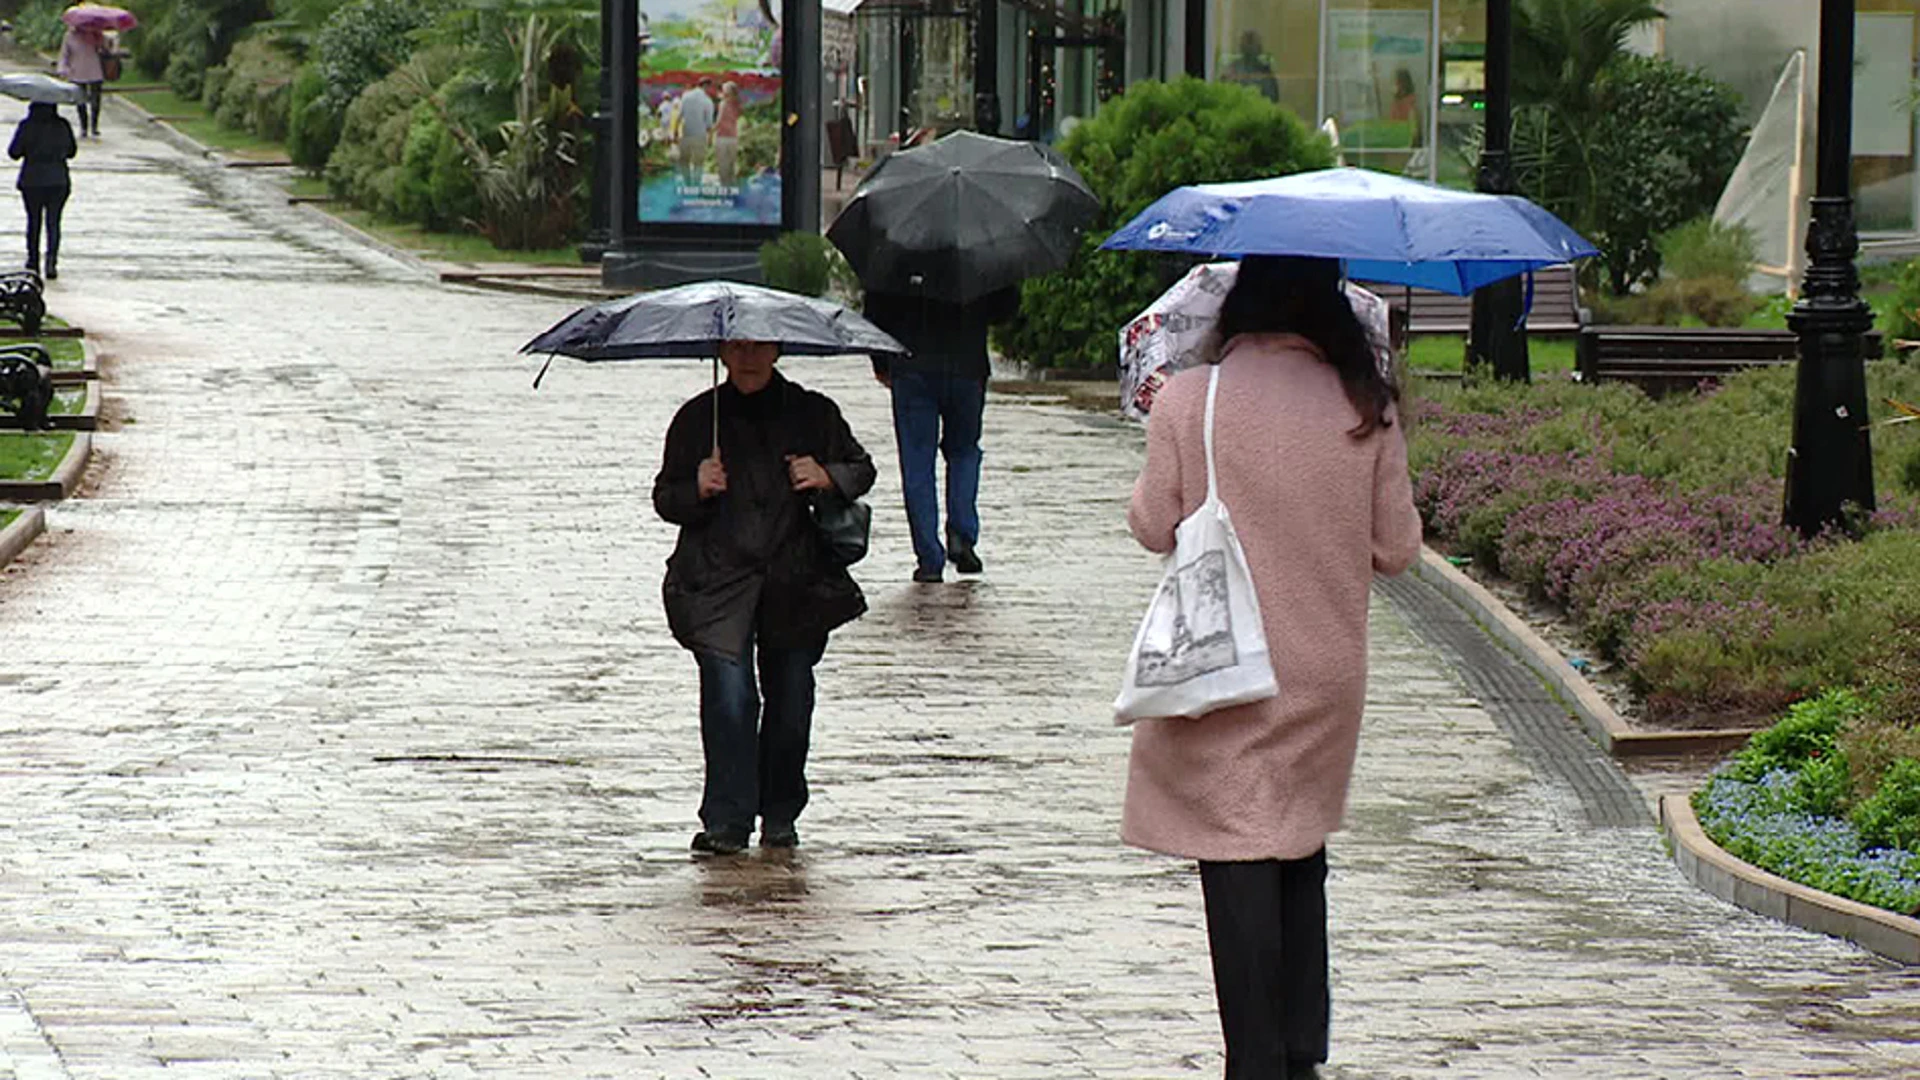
pixel 751 588
pixel 939 394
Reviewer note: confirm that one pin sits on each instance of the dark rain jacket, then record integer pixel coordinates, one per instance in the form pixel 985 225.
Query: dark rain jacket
pixel 42 144
pixel 944 338
pixel 749 564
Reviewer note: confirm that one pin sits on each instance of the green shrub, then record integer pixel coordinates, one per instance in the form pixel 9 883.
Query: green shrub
pixel 1806 733
pixel 253 90
pixel 367 167
pixel 1910 470
pixel 363 41
pixel 1890 817
pixel 1705 248
pixel 1904 320
pixel 186 76
pixel 799 262
pixel 313 125
pixel 37 25
pixel 1825 787
pixel 1142 144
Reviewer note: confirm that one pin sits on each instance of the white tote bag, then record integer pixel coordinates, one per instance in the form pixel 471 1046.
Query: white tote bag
pixel 1202 645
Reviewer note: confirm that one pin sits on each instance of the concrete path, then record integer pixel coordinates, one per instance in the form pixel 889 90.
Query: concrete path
pixel 344 738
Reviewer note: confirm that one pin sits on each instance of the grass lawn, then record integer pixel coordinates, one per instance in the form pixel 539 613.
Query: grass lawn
pixel 202 128
pixel 309 187
pixel 448 247
pixel 65 352
pixel 32 457
pixel 7 516
pixel 68 400
pixel 1444 353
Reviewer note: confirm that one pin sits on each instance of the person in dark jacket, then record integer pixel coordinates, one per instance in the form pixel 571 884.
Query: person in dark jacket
pixel 751 587
pixel 42 144
pixel 939 396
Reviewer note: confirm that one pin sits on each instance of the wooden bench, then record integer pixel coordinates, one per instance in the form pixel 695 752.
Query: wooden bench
pixel 1556 305
pixel 1663 359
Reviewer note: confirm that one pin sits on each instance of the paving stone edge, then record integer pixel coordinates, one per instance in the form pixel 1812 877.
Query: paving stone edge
pixel 1896 937
pixel 1599 718
pixel 20 532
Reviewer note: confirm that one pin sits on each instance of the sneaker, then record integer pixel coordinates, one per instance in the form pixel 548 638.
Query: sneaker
pixel 779 836
pixel 929 577
pixel 720 841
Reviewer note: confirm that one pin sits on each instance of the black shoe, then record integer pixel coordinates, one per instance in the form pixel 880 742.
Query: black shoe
pixel 779 836
pixel 52 274
pixel 720 841
pixel 964 560
pixel 929 577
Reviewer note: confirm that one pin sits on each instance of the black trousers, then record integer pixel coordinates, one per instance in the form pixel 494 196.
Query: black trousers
pixel 90 109
pixel 1267 927
pixel 44 206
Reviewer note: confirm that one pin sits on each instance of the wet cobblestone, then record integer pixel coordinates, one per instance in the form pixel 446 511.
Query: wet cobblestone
pixel 345 739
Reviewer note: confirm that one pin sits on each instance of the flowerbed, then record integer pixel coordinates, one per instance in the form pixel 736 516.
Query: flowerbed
pixel 1814 800
pixel 1655 526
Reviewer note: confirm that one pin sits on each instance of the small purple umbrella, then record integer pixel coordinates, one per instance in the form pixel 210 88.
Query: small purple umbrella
pixel 98 17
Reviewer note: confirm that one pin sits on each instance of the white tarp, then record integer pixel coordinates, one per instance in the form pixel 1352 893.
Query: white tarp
pixel 1764 193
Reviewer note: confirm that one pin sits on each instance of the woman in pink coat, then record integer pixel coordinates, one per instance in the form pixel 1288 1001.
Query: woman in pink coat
pixel 1313 467
pixel 80 63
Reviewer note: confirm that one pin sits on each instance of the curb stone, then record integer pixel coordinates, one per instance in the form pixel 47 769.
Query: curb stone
pixel 1605 725
pixel 1706 864
pixel 20 532
pixel 65 478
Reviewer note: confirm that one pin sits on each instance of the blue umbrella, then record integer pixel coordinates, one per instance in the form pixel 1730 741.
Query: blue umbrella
pixel 1386 228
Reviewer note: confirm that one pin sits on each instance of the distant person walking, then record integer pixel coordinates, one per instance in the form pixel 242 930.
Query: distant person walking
pixel 43 143
pixel 939 402
pixel 1312 464
pixel 81 62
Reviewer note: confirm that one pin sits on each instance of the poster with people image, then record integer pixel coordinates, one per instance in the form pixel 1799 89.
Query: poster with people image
pixel 710 108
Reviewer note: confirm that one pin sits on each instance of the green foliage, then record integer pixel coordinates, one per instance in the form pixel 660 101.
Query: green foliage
pixel 1910 471
pixel 181 39
pixel 1658 155
pixel 1151 139
pixel 799 262
pixel 368 166
pixel 363 41
pixel 37 24
pixel 1890 817
pixel 1904 321
pixel 255 89
pixel 1704 248
pixel 1805 734
pixel 313 125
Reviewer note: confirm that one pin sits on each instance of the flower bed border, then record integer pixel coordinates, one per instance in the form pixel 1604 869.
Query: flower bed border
pixel 1599 718
pixel 20 532
pixel 65 478
pixel 1707 865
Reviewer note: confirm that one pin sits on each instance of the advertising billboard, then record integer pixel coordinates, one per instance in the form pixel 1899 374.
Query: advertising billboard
pixel 710 108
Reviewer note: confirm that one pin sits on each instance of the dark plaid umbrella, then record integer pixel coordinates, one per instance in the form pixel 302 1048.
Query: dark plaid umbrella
pixel 693 320
pixel 964 217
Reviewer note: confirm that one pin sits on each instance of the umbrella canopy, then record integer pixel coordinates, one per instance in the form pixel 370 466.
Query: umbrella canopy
pixel 963 217
pixel 98 17
pixel 33 86
pixel 1176 332
pixel 1387 228
pixel 693 321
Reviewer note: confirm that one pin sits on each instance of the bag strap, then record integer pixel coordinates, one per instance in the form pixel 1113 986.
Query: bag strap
pixel 1213 390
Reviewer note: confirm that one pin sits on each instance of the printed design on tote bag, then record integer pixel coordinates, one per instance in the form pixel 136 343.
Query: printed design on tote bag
pixel 1202 625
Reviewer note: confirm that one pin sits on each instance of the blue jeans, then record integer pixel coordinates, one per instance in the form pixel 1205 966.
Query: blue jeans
pixel 933 410
pixel 756 756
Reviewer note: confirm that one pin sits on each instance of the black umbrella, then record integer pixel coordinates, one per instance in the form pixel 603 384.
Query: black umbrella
pixel 693 321
pixel 964 217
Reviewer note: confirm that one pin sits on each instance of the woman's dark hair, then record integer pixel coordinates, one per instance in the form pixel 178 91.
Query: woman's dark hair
pixel 1288 294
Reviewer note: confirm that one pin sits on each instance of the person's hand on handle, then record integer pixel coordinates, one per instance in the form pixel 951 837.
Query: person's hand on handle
pixel 713 476
pixel 807 474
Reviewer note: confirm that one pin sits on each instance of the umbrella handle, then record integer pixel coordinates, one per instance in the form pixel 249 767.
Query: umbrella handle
pixel 543 371
pixel 716 404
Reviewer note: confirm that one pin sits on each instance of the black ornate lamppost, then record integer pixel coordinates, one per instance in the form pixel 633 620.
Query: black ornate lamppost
pixel 1498 340
pixel 1830 466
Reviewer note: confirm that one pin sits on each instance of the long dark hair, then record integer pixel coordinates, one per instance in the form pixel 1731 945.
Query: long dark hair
pixel 1287 294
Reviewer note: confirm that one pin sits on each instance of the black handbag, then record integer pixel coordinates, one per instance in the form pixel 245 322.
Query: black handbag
pixel 844 525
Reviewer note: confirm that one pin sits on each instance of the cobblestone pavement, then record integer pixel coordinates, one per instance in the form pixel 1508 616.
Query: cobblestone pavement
pixel 345 739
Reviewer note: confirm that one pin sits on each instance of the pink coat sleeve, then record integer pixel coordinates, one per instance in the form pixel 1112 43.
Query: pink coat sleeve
pixel 1396 523
pixel 1157 507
